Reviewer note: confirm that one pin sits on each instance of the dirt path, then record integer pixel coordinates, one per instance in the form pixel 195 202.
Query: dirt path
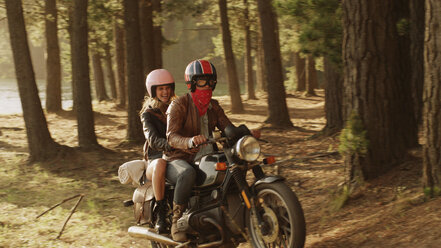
pixel 391 211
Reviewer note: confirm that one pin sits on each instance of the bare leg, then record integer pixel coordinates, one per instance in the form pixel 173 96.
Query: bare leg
pixel 156 173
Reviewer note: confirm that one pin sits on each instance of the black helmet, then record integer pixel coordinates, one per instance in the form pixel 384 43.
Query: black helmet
pixel 199 69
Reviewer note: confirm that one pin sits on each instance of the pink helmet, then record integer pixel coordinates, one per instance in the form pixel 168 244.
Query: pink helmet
pixel 158 77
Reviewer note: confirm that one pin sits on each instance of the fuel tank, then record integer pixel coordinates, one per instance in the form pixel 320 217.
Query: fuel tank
pixel 207 174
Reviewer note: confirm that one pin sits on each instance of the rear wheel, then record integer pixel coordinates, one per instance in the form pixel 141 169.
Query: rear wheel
pixel 283 219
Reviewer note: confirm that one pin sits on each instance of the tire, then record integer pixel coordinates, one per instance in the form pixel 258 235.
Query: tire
pixel 283 217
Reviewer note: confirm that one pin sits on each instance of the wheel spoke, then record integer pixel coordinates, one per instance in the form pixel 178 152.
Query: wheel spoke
pixel 283 240
pixel 279 218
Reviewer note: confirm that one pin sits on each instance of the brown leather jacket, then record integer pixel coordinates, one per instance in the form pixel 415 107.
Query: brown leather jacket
pixel 183 122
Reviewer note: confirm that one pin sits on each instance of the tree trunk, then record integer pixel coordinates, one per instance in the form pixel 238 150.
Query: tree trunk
pixel 333 98
pixel 262 80
pixel 80 76
pixel 157 29
pixel 110 75
pixel 432 100
pixel 120 58
pixel 40 143
pixel 374 88
pixel 417 55
pixel 300 71
pixel 100 88
pixel 277 108
pixel 135 86
pixel 53 65
pixel 405 73
pixel 249 80
pixel 70 31
pixel 233 81
pixel 147 36
pixel 311 77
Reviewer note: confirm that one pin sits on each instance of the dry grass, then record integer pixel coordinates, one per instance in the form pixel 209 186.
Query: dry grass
pixel 390 212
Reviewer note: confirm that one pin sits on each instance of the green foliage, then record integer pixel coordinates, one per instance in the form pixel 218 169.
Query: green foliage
pixel 353 137
pixel 319 25
pixel 99 12
pixel 432 191
pixel 340 198
pixel 291 79
pixel 180 9
pixel 208 18
pixel 403 27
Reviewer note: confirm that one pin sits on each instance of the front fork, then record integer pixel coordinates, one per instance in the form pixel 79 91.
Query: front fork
pixel 249 194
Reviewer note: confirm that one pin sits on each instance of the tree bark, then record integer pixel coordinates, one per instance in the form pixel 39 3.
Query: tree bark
pixel 120 58
pixel 40 143
pixel 70 31
pixel 147 36
pixel 230 62
pixel 157 30
pixel 277 108
pixel 135 88
pixel 80 76
pixel 374 88
pixel 248 64
pixel 405 72
pixel 333 98
pixel 261 77
pixel 53 65
pixel 100 88
pixel 311 79
pixel 432 99
pixel 110 75
pixel 417 13
pixel 300 72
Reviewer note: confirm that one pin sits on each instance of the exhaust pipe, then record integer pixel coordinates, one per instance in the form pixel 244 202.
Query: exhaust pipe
pixel 221 231
pixel 143 232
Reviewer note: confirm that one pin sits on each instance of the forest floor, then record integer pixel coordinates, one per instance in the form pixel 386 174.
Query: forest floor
pixel 390 211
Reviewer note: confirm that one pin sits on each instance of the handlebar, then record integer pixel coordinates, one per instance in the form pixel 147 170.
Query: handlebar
pixel 210 141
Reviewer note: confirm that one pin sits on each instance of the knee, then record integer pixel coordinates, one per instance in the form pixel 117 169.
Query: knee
pixel 160 167
pixel 189 175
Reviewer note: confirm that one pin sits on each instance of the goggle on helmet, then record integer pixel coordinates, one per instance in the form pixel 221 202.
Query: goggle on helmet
pixel 200 69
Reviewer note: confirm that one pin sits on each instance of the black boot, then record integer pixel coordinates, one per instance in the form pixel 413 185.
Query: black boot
pixel 161 223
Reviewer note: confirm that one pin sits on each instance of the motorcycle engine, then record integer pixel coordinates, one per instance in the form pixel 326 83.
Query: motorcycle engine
pixel 194 223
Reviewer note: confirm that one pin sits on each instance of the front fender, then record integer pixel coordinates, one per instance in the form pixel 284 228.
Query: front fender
pixel 268 179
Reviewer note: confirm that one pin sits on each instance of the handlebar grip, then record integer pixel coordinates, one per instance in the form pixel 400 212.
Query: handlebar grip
pixel 209 141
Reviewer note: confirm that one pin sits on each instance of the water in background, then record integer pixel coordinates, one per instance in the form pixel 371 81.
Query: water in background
pixel 10 99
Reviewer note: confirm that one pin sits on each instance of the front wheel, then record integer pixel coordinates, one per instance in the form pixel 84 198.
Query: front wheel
pixel 283 222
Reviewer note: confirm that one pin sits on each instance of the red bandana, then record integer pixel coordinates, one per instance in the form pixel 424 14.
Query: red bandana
pixel 201 99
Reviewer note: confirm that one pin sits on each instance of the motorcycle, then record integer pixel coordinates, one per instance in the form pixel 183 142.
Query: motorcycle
pixel 225 209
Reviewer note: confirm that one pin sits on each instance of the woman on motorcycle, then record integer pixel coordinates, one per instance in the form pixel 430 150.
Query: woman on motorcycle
pixel 191 119
pixel 160 86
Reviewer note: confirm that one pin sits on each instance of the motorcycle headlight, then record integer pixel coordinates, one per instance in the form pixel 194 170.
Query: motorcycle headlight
pixel 247 148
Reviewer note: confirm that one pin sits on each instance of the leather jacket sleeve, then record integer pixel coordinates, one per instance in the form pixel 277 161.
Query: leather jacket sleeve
pixel 152 134
pixel 222 119
pixel 176 114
